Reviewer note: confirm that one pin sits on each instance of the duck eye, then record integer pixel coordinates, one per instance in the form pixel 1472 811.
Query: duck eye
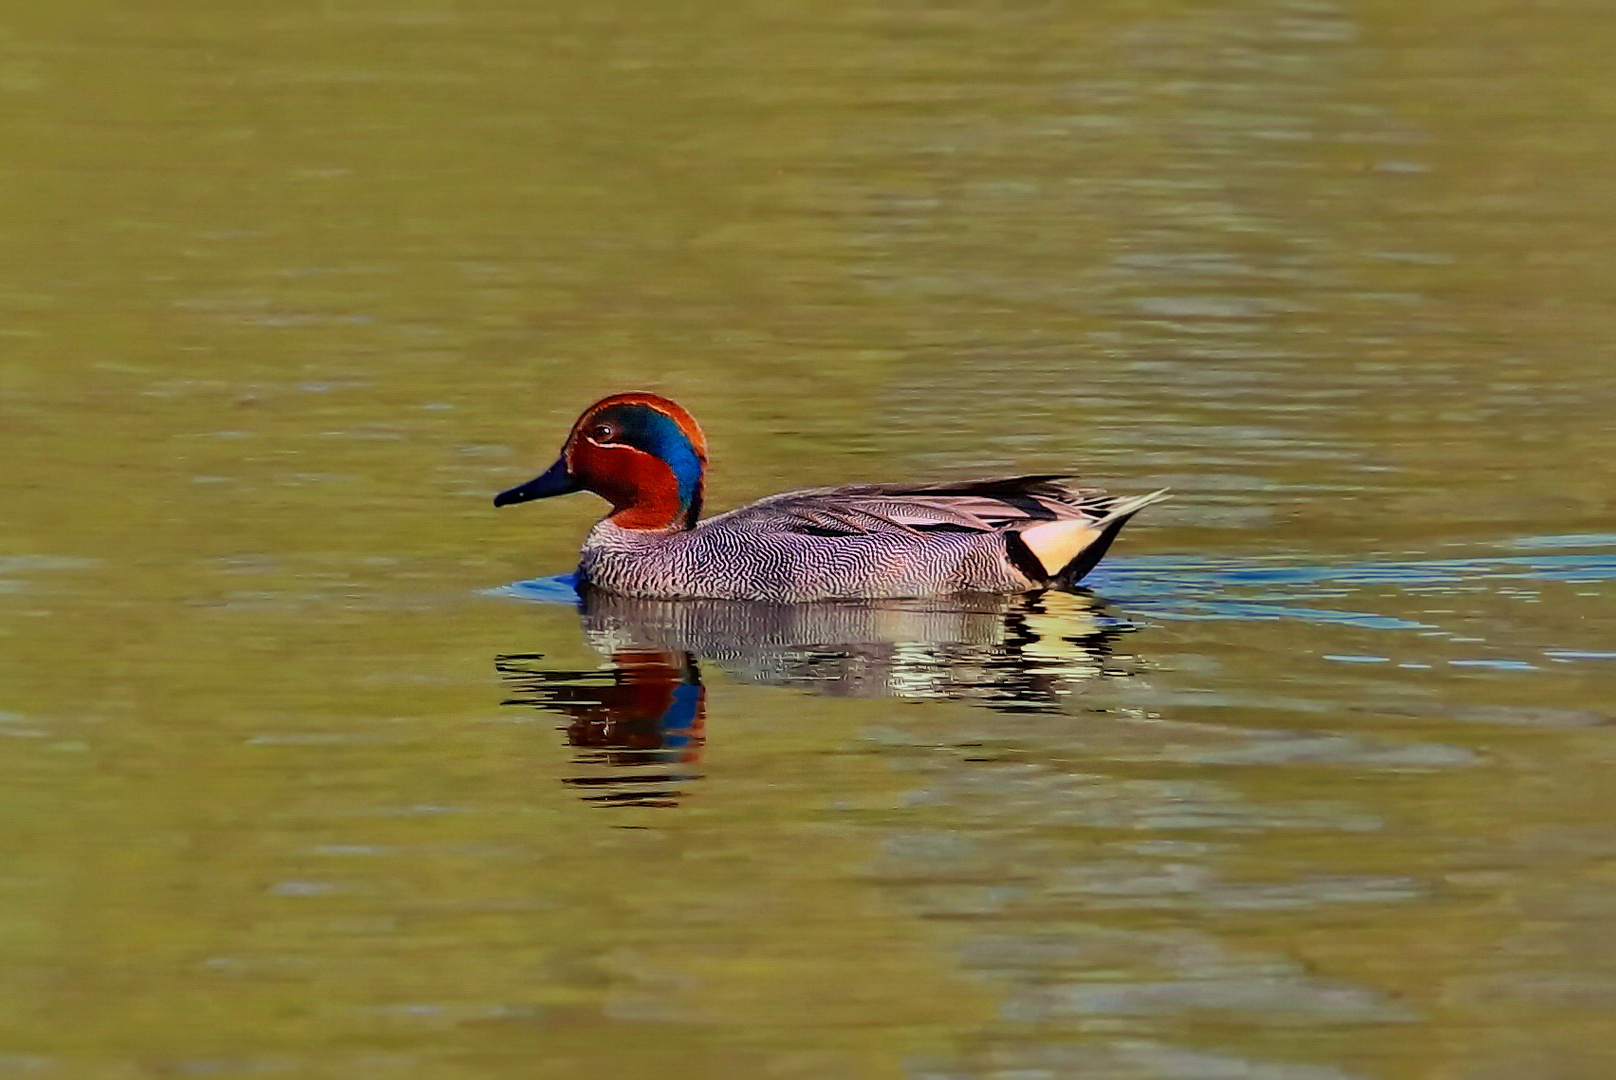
pixel 602 432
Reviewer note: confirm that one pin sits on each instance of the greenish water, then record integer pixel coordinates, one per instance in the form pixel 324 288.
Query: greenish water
pixel 311 769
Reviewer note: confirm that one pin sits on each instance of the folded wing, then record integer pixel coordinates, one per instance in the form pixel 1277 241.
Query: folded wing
pixel 996 504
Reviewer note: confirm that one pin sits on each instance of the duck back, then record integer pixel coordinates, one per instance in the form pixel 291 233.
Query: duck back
pixel 867 541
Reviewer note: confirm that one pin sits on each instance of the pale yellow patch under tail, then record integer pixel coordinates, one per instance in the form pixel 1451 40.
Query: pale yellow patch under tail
pixel 1069 549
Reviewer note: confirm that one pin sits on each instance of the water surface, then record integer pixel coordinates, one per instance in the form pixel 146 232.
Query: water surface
pixel 305 777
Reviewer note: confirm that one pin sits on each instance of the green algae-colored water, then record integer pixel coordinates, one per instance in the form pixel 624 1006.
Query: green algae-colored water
pixel 304 775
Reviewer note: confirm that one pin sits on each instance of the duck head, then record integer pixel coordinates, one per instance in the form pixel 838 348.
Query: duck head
pixel 640 452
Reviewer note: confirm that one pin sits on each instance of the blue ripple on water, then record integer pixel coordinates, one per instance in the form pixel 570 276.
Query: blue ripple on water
pixel 1163 578
pixel 1174 587
pixel 553 589
pixel 1274 587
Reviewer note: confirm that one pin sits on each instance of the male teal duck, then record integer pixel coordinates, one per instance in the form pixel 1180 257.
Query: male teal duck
pixel 645 455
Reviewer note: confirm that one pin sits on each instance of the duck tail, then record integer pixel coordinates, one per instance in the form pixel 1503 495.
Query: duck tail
pixel 1068 549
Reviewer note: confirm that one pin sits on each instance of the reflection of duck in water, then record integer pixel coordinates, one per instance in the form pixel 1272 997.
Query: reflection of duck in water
pixel 646 706
pixel 1018 654
pixel 646 456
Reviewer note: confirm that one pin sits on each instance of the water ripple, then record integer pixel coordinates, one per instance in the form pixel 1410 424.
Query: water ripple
pixel 1272 587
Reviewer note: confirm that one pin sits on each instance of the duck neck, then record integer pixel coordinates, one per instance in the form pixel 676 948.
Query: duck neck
pixel 663 510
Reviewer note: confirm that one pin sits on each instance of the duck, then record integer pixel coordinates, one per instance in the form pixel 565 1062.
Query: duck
pixel 646 456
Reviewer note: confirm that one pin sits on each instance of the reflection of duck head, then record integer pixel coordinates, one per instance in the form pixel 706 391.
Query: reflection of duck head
pixel 1015 653
pixel 647 708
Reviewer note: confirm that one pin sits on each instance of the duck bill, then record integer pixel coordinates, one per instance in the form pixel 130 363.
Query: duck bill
pixel 555 481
